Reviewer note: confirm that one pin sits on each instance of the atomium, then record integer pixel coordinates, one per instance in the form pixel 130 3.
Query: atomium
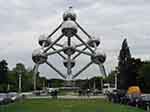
pixel 67 50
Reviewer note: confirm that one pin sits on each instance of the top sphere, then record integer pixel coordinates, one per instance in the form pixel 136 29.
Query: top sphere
pixel 69 14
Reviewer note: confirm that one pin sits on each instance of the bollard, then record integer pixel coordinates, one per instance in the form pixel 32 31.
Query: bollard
pixel 147 107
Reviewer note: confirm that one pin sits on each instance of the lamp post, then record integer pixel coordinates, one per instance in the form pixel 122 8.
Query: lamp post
pixel 20 82
pixel 101 83
pixel 116 86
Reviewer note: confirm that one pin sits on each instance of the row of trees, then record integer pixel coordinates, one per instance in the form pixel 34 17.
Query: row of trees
pixel 131 71
pixel 9 79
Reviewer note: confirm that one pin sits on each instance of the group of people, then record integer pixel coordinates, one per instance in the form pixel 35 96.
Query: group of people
pixel 54 94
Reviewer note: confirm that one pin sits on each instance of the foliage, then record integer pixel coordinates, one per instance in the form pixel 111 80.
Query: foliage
pixel 3 75
pixel 143 78
pixel 92 83
pixel 127 67
pixel 124 58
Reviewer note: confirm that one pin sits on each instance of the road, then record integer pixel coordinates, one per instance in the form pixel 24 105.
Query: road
pixel 68 97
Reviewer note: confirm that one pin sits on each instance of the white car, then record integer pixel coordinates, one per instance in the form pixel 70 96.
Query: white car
pixel 107 89
pixel 13 96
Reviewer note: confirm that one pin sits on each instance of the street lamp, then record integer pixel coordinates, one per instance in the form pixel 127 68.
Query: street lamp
pixel 20 81
pixel 117 72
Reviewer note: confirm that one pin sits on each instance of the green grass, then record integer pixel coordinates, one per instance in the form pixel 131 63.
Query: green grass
pixel 61 105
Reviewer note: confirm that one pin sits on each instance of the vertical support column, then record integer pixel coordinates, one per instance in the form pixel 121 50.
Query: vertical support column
pixel 35 74
pixel 34 82
pixel 69 72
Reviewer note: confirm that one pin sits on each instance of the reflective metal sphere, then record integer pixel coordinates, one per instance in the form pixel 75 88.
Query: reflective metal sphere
pixel 66 63
pixel 69 50
pixel 94 41
pixel 99 57
pixel 69 14
pixel 44 40
pixel 38 57
pixel 69 28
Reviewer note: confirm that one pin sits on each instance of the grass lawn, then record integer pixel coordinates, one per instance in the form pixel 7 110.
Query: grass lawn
pixel 61 105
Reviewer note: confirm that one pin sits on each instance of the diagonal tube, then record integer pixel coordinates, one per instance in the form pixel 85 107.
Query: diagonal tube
pixel 54 42
pixel 59 53
pixel 83 30
pixel 55 30
pixel 55 69
pixel 89 54
pixel 54 52
pixel 79 53
pixel 102 69
pixel 59 45
pixel 82 70
pixel 79 45
pixel 84 43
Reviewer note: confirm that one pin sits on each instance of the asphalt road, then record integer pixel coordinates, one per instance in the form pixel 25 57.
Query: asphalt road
pixel 68 97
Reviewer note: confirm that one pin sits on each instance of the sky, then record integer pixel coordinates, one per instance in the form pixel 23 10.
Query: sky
pixel 23 21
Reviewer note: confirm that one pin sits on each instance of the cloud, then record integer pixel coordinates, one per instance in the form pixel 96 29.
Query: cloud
pixel 23 21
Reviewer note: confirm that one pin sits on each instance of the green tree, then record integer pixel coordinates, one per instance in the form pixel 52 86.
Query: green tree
pixel 111 77
pixel 127 67
pixel 124 57
pixel 3 71
pixel 3 75
pixel 143 78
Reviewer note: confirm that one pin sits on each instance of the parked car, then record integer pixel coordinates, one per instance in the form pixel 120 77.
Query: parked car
pixel 4 98
pixel 14 96
pixel 107 89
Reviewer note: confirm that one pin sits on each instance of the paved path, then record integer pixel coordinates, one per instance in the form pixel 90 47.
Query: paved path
pixel 68 97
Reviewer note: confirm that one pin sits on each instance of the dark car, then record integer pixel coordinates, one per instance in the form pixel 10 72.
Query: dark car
pixel 4 98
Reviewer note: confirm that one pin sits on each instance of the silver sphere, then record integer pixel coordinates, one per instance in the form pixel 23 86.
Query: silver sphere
pixel 99 57
pixel 38 57
pixel 66 63
pixel 69 28
pixel 94 42
pixel 44 40
pixel 69 50
pixel 69 14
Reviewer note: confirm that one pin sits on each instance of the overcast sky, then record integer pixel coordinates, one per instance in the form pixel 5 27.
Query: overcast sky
pixel 22 21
